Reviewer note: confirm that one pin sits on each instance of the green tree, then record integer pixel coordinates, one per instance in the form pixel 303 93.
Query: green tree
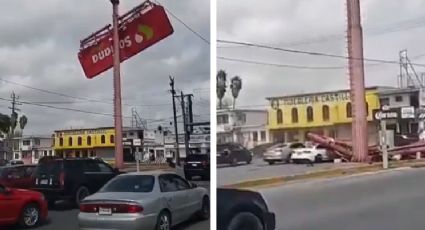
pixel 23 120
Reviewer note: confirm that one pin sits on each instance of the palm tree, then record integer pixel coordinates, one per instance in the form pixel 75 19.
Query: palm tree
pixel 221 86
pixel 23 120
pixel 236 87
pixel 5 123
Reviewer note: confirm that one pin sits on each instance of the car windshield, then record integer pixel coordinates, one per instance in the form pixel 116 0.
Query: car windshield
pixel 130 183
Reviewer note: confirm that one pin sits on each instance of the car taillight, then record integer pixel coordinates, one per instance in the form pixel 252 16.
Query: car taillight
pixel 62 179
pixel 112 208
pixel 90 208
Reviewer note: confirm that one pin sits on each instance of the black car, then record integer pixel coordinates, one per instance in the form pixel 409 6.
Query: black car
pixel 71 179
pixel 233 153
pixel 243 209
pixel 197 165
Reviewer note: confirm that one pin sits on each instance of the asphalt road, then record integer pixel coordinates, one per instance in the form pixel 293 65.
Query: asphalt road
pixel 64 217
pixel 391 200
pixel 259 169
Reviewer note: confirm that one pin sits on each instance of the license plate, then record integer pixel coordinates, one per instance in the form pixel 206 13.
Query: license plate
pixel 194 165
pixel 105 211
pixel 44 181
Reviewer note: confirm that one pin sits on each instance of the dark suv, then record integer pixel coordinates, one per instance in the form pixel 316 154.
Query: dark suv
pixel 197 165
pixel 233 153
pixel 71 179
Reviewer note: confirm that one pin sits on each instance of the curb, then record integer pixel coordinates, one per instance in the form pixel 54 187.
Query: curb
pixel 322 174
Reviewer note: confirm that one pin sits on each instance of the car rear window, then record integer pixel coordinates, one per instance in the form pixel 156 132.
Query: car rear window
pixel 52 167
pixel 130 183
pixel 197 157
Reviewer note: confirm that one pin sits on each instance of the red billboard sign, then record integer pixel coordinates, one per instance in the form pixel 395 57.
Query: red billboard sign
pixel 141 30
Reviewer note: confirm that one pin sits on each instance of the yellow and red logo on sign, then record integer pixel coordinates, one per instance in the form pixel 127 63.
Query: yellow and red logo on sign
pixel 138 33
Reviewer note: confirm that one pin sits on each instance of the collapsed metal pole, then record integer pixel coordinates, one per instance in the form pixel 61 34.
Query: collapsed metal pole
pixel 117 88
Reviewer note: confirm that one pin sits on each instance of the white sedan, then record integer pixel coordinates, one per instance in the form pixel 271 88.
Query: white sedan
pixel 316 153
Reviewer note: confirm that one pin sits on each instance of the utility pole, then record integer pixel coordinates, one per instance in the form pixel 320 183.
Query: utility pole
pixel 117 88
pixel 14 115
pixel 186 137
pixel 173 95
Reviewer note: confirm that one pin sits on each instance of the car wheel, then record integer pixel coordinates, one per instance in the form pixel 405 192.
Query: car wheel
pixel 204 213
pixel 30 216
pixel 246 221
pixel 82 192
pixel 318 158
pixel 271 162
pixel 164 221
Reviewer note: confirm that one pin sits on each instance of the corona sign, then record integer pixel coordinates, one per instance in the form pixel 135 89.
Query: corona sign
pixel 142 29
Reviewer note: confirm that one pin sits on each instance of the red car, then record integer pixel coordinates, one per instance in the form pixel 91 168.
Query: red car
pixel 18 176
pixel 24 207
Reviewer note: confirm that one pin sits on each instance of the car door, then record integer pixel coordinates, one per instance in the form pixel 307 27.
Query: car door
pixel 193 199
pixel 174 198
pixel 93 178
pixel 10 203
pixel 16 177
pixel 106 172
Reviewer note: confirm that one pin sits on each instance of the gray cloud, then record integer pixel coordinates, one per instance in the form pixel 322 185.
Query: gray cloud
pixel 287 23
pixel 39 46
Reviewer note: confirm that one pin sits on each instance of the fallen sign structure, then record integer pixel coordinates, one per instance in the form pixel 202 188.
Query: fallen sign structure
pixel 344 150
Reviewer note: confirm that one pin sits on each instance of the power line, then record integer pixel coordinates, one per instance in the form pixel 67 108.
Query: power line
pixel 281 65
pixel 311 53
pixel 185 25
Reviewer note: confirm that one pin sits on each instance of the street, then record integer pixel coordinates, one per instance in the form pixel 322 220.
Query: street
pixel 259 169
pixel 391 200
pixel 64 217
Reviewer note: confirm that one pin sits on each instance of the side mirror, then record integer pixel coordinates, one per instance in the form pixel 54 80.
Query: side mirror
pixel 193 185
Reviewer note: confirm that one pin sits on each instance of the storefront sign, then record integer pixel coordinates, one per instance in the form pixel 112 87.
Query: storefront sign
pixel 319 98
pixel 389 114
pixel 138 32
pixel 408 113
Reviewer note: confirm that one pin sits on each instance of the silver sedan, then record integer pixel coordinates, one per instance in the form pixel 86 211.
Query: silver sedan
pixel 146 200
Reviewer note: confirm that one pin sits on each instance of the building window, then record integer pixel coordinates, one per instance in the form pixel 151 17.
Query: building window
pixel 279 116
pixel 111 139
pixel 89 140
pixel 61 141
pixel 242 118
pixel 255 136
pixel 294 115
pixel 310 115
pixel 26 142
pixel 348 109
pixel 102 139
pixel 70 141
pixel 325 112
pixel 223 119
pixel 384 101
pixel 80 141
pixel 37 141
pixel 124 135
pixel 263 135
pixel 398 98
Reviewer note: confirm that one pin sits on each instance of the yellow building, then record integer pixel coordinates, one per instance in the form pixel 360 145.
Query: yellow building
pixel 85 142
pixel 327 113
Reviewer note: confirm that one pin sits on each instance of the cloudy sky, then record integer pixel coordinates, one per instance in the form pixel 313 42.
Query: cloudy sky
pixel 314 25
pixel 39 43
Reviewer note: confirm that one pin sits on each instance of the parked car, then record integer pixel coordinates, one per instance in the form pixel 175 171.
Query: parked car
pixel 17 176
pixel 233 153
pixel 315 153
pixel 71 179
pixel 144 200
pixel 3 162
pixel 197 165
pixel 243 209
pixel 281 152
pixel 24 207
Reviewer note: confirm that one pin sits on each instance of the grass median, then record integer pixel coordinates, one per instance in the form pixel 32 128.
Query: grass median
pixel 322 174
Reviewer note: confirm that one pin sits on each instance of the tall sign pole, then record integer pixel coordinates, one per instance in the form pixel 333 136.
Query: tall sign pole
pixel 117 88
pixel 173 95
pixel 186 138
pixel 356 70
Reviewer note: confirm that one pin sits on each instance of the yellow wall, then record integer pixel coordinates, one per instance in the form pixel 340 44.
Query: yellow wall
pixel 95 134
pixel 337 110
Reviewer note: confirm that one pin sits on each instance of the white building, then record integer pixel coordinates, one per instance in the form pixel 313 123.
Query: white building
pixel 31 149
pixel 244 126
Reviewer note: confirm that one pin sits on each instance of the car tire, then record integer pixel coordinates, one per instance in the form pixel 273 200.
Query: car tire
pixel 164 221
pixel 271 162
pixel 81 193
pixel 30 216
pixel 318 158
pixel 246 221
pixel 204 213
